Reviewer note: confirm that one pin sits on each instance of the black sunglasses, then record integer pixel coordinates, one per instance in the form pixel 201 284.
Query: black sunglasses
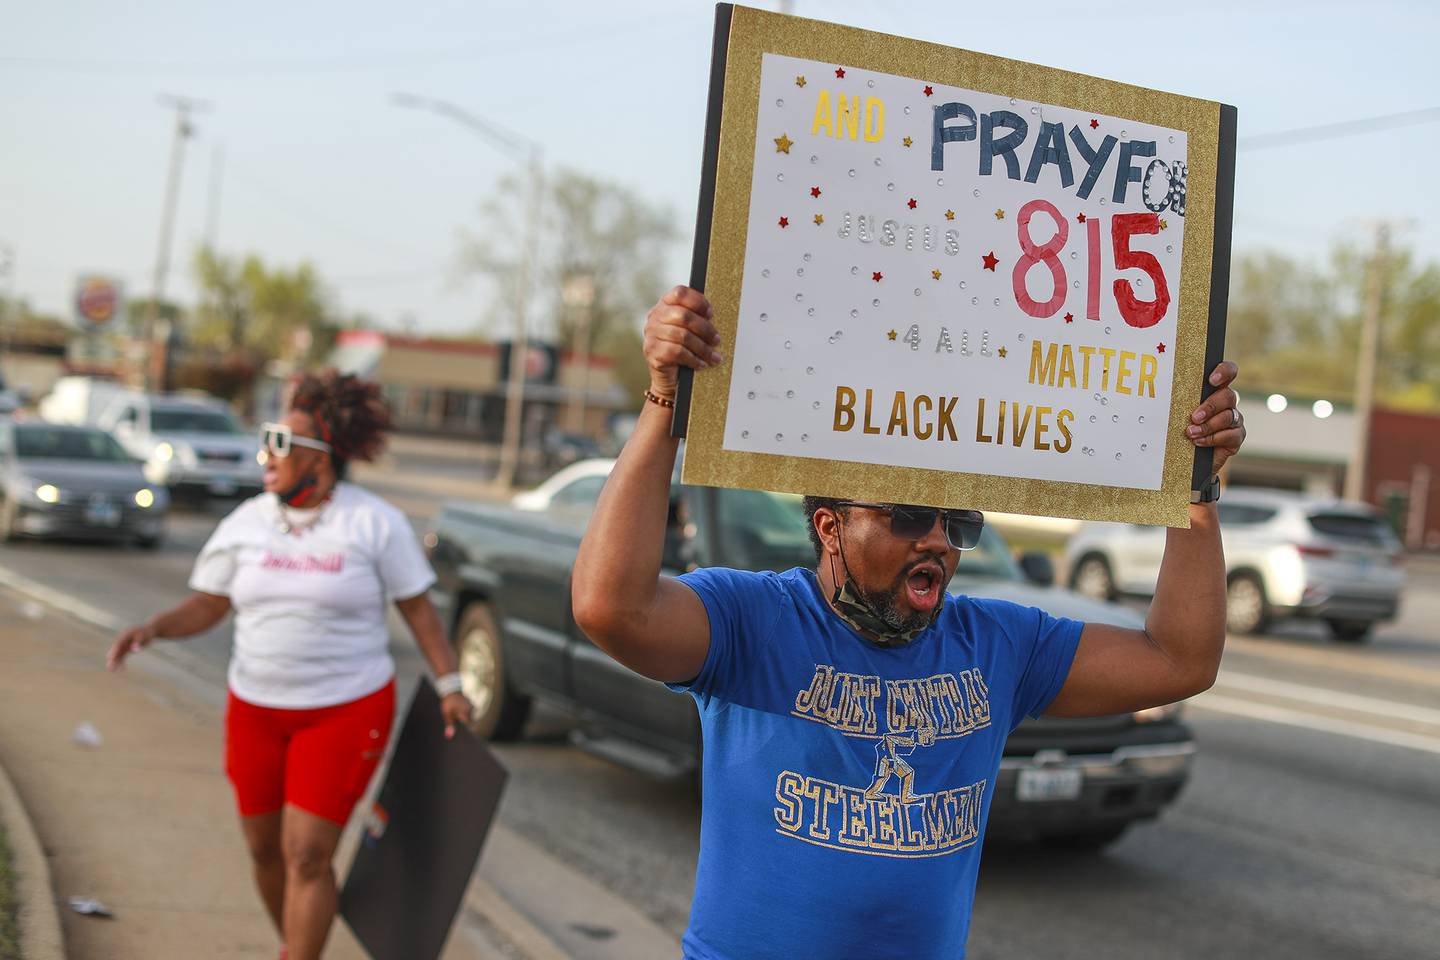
pixel 962 527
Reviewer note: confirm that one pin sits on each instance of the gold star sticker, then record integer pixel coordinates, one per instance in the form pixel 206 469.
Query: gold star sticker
pixel 1164 223
pixel 783 143
pixel 800 81
pixel 935 274
pixel 949 214
pixel 999 214
pixel 1001 351
pixel 892 334
pixel 819 219
pixel 907 141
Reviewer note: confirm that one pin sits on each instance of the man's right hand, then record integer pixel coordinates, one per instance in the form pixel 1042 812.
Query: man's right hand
pixel 679 332
pixel 127 642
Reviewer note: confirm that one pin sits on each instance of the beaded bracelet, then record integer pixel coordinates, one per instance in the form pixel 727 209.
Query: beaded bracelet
pixel 655 398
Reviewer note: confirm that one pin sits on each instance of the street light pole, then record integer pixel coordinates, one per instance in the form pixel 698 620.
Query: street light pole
pixel 1365 372
pixel 7 305
pixel 155 362
pixel 528 151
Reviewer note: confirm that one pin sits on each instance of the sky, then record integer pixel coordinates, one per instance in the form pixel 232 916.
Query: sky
pixel 316 163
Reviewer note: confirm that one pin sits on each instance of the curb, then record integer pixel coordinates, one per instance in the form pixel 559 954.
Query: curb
pixel 40 937
pixel 39 920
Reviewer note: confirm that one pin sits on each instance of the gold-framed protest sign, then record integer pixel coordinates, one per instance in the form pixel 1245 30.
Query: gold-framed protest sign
pixel 953 279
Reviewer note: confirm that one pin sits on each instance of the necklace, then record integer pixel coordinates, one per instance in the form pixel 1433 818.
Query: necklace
pixel 290 523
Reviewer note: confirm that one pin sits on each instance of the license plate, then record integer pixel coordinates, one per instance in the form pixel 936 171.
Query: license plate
pixel 1038 784
pixel 223 486
pixel 102 513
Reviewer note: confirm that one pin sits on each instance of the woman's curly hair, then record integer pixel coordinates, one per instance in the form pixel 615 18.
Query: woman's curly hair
pixel 350 414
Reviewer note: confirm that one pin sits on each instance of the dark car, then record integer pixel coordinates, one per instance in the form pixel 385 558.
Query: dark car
pixel 68 481
pixel 504 588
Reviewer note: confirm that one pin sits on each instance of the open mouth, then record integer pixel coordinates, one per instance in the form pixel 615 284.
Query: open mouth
pixel 923 585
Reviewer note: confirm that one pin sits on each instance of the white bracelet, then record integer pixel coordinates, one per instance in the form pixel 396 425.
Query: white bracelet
pixel 448 684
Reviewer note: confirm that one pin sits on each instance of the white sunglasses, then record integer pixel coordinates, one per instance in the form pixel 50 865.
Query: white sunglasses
pixel 278 438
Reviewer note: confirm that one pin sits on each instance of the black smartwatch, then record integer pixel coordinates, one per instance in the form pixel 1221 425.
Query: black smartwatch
pixel 1209 493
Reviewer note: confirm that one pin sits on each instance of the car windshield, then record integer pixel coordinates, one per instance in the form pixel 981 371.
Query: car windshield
pixel 45 443
pixel 191 420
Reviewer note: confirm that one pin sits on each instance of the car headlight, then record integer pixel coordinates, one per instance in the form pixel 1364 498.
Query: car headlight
pixel 47 493
pixel 1170 711
pixel 164 452
pixel 145 499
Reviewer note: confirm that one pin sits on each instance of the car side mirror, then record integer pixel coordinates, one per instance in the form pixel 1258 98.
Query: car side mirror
pixel 1038 568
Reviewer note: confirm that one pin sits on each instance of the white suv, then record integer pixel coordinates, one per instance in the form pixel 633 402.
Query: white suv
pixel 1286 555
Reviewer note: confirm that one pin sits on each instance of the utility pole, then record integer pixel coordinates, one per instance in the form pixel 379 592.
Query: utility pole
pixel 156 361
pixel 529 151
pixel 1365 373
pixel 7 305
pixel 212 200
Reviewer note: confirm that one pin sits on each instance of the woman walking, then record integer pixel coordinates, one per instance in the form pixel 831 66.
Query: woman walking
pixel 309 567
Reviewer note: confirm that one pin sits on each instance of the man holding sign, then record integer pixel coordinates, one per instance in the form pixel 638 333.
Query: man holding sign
pixel 854 715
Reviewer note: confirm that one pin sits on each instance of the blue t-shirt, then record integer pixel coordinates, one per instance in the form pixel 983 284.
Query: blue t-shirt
pixel 847 784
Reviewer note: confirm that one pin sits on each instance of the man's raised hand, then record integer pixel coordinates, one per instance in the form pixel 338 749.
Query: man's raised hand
pixel 679 332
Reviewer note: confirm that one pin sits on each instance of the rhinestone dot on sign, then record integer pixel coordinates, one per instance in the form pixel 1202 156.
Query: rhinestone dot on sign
pixel 757 368
pixel 744 434
pixel 750 395
pixel 765 272
pixel 764 317
pixel 781 436
pixel 852 171
pixel 806 258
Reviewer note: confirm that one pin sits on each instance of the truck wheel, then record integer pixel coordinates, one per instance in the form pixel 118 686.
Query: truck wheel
pixel 1350 631
pixel 1092 578
pixel 1090 840
pixel 499 712
pixel 1246 610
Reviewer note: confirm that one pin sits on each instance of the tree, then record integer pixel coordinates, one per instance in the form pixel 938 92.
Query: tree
pixel 267 313
pixel 1296 327
pixel 602 258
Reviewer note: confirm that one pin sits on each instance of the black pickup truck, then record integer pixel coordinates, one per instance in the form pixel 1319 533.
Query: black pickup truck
pixel 504 591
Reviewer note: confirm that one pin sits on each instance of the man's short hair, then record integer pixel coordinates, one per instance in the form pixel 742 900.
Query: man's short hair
pixel 811 504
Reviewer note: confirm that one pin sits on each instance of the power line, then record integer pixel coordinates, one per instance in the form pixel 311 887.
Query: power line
pixel 1331 131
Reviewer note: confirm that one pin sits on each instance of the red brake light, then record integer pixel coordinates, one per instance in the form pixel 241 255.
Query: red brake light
pixel 1309 551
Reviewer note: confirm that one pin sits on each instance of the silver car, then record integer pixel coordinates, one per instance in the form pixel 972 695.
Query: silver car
pixel 68 481
pixel 187 445
pixel 1286 555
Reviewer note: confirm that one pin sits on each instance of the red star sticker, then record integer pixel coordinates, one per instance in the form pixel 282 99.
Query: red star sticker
pixel 911 204
pixel 1069 318
pixel 1160 348
pixel 990 261
pixel 929 90
pixel 840 72
pixel 1080 218
pixel 1094 124
pixel 877 276
pixel 784 221
pixel 814 191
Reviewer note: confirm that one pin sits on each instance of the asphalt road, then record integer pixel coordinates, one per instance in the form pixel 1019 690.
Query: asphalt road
pixel 1310 828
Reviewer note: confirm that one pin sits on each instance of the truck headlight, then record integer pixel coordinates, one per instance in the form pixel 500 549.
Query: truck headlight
pixel 47 493
pixel 144 499
pixel 1170 711
pixel 164 452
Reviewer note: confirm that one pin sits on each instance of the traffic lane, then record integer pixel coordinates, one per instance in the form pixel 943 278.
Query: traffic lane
pixel 1284 844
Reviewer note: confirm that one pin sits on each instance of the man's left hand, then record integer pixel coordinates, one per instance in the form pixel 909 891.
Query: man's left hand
pixel 1218 422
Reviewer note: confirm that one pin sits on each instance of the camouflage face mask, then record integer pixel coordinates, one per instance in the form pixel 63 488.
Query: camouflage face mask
pixel 862 616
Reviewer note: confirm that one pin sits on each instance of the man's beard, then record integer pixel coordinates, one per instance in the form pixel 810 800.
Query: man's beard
pixel 886 602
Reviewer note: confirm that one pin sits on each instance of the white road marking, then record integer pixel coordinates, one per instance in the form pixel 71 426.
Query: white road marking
pixel 1325 697
pixel 1317 722
pixel 57 598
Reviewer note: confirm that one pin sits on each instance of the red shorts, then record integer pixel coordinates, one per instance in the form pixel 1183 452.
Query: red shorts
pixel 319 760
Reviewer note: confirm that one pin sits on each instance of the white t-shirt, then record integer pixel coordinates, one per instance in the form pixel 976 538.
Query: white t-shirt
pixel 310 604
